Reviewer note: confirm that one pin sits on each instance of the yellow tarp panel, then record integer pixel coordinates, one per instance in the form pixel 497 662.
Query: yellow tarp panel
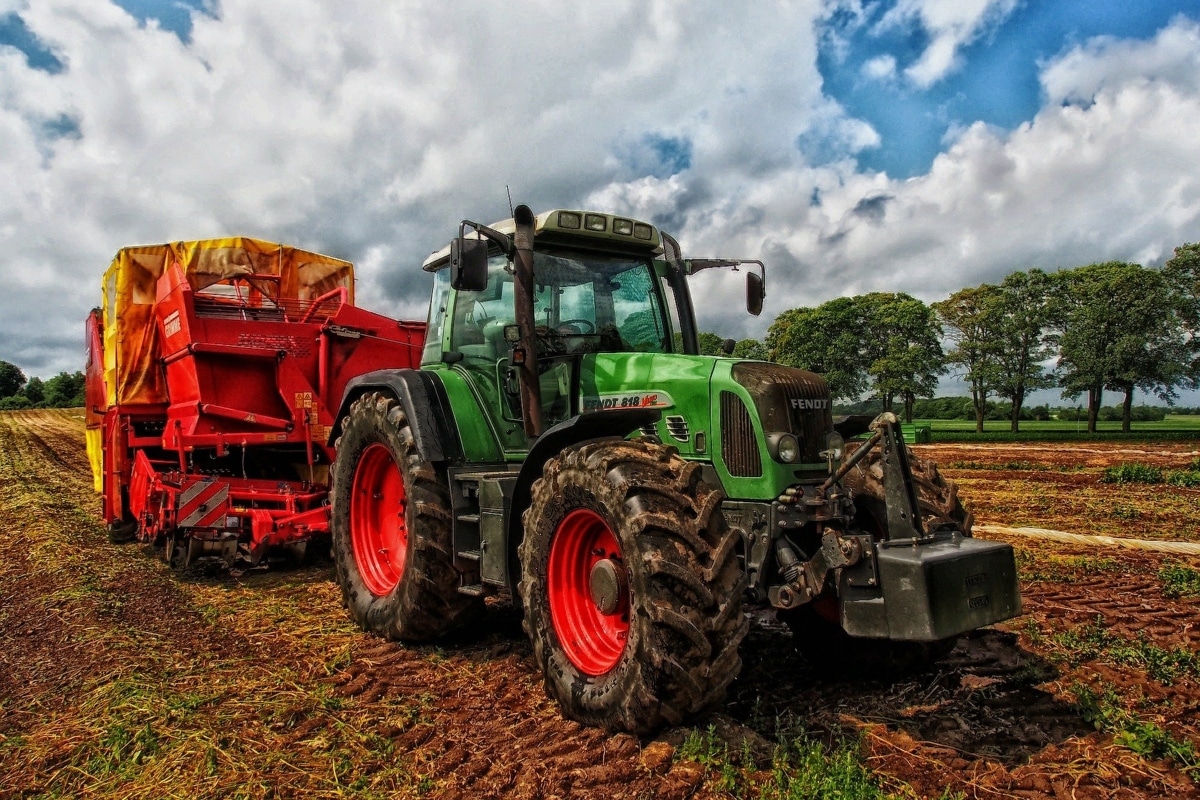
pixel 131 353
pixel 95 451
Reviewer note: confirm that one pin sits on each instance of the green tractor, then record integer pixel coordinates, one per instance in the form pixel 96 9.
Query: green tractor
pixel 564 444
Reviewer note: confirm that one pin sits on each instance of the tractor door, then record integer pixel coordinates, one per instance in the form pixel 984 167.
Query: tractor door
pixel 477 325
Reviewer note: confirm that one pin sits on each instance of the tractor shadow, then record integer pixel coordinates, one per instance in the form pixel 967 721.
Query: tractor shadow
pixel 981 700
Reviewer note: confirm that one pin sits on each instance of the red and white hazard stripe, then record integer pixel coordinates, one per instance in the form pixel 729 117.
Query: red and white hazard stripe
pixel 203 504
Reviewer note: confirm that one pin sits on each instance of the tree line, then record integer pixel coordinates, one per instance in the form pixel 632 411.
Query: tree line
pixel 1108 327
pixel 1105 327
pixel 64 390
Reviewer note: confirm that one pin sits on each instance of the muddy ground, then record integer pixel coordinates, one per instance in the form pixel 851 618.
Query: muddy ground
pixel 119 678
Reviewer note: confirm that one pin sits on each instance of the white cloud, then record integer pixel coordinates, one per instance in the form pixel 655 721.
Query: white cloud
pixel 951 25
pixel 880 68
pixel 1171 57
pixel 367 131
pixel 363 128
pixel 1112 178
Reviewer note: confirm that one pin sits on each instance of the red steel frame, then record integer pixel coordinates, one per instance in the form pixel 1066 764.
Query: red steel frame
pixel 253 382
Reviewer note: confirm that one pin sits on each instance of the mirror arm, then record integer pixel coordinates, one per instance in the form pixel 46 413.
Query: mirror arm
pixel 693 265
pixel 494 236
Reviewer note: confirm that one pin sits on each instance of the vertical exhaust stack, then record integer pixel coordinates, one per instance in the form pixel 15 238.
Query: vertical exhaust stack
pixel 531 389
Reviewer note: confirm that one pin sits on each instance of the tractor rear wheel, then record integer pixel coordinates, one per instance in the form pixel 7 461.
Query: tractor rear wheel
pixel 631 586
pixel 391 529
pixel 816 627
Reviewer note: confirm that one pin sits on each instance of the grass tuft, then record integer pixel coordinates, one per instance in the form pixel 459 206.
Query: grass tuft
pixel 1144 473
pixel 1179 580
pixel 1094 642
pixel 1035 566
pixel 802 768
pixel 1104 711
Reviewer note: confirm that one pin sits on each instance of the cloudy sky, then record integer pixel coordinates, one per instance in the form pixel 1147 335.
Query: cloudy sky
pixel 900 145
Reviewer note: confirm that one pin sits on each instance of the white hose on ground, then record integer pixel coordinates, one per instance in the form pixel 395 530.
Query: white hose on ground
pixel 1179 548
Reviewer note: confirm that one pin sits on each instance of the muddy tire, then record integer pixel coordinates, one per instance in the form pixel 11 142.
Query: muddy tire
pixel 122 532
pixel 631 586
pixel 937 496
pixel 816 628
pixel 390 527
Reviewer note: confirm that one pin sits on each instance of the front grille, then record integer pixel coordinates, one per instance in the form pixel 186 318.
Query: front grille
pixel 811 424
pixel 739 447
pixel 791 400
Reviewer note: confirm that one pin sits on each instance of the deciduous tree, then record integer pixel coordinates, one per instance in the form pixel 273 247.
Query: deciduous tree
pixel 1123 327
pixel 902 341
pixel 11 379
pixel 887 343
pixel 971 320
pixel 1024 339
pixel 1182 273
pixel 827 340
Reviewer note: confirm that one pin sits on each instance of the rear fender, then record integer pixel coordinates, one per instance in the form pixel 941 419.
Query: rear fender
pixel 423 398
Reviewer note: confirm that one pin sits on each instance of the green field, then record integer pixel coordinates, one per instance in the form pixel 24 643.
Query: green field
pixel 1175 426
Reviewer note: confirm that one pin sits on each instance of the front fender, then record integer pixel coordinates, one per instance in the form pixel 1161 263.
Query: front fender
pixel 582 428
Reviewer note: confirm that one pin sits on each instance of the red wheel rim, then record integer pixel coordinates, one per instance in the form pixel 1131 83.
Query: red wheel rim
pixel 592 640
pixel 378 534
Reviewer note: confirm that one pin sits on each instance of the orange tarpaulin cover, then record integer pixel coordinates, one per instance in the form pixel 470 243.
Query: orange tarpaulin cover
pixel 132 368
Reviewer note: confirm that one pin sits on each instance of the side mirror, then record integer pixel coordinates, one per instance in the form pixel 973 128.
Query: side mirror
pixel 469 264
pixel 755 292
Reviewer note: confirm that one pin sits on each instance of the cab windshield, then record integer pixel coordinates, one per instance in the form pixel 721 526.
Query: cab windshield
pixel 582 303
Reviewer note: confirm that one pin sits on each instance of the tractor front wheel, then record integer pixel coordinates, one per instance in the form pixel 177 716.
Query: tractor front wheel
pixel 631 586
pixel 390 527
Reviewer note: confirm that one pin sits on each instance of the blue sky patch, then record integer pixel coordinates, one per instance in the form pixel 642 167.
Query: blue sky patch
pixel 171 15
pixel 657 155
pixel 996 81
pixel 14 34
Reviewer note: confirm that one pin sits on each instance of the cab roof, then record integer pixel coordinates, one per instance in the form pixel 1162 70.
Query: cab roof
pixel 603 229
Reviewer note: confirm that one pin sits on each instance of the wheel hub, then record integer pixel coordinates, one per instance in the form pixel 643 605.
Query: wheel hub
pixel 588 592
pixel 608 584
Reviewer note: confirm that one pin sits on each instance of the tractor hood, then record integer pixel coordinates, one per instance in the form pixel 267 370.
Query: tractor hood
pixel 728 412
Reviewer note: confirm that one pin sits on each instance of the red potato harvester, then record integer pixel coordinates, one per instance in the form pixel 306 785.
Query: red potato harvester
pixel 214 371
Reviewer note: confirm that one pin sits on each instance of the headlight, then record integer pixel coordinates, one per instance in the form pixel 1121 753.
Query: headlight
pixel 835 447
pixel 784 447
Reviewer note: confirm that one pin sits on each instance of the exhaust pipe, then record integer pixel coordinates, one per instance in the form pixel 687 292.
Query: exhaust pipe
pixel 531 387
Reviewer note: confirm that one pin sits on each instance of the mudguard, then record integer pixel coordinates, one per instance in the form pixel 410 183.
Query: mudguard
pixel 581 428
pixel 424 400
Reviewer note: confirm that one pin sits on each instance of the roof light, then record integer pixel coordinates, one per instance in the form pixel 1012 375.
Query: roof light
pixel 569 219
pixel 595 222
pixel 623 227
pixel 642 231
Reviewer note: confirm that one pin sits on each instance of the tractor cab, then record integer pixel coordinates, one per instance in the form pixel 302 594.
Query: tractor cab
pixel 583 303
pixel 597 284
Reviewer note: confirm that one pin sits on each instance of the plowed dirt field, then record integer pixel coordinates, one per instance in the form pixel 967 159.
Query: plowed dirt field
pixel 121 679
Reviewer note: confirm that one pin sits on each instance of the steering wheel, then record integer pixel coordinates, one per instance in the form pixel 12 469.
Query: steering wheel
pixel 584 326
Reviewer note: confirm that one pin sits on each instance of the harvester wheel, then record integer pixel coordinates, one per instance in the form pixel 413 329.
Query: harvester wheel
pixel 122 532
pixel 816 627
pixel 391 529
pixel 631 585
